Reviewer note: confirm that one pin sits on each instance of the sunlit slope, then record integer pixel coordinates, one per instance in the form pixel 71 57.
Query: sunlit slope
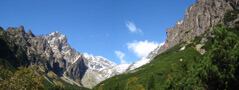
pixel 157 74
pixel 187 69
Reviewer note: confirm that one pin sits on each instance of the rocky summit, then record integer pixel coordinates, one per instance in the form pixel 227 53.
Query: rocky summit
pixel 53 53
pixel 199 18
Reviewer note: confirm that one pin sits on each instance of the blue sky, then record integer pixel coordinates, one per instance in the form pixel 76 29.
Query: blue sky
pixel 110 28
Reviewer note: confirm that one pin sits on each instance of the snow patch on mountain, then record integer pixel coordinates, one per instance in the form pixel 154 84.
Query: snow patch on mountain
pixel 145 60
pixel 139 63
pixel 97 63
pixel 121 68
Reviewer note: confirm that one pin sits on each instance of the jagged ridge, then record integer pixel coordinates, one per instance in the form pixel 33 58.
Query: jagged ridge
pixel 53 53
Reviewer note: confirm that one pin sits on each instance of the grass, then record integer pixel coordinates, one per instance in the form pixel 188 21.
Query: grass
pixel 155 74
pixel 217 69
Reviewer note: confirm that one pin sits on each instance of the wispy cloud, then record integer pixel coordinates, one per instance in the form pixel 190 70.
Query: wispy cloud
pixel 121 56
pixel 132 27
pixel 143 48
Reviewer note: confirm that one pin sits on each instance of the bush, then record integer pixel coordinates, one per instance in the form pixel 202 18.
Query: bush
pixel 23 79
pixel 230 16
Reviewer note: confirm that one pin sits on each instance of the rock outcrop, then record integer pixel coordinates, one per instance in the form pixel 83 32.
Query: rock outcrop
pixel 199 18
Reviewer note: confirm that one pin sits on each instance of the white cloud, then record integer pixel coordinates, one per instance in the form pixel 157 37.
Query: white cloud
pixel 143 48
pixel 121 56
pixel 132 27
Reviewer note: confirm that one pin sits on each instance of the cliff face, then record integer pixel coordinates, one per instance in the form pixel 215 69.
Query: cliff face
pixel 199 18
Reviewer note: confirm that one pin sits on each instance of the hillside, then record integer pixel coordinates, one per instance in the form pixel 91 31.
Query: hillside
pixel 204 57
pixel 179 68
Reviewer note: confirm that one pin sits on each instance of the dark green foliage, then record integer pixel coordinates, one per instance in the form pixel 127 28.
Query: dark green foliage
pixel 30 78
pixel 22 79
pixel 218 69
pixel 230 16
pixel 223 59
pixel 151 81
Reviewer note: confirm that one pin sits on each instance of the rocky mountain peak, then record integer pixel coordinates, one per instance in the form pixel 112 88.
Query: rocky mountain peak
pixel 61 48
pixel 16 30
pixel 21 28
pixel 53 53
pixel 30 33
pixel 57 37
pixel 57 34
pixel 199 18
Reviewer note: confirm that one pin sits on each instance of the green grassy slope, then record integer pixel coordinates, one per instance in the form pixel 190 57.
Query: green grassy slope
pixel 217 69
pixel 154 75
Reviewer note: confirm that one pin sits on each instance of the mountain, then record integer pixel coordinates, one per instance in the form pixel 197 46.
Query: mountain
pixel 53 54
pixel 198 19
pixel 200 52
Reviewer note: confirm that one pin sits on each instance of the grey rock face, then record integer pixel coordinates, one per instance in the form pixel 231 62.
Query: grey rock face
pixel 53 53
pixel 99 69
pixel 199 18
pixel 77 70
